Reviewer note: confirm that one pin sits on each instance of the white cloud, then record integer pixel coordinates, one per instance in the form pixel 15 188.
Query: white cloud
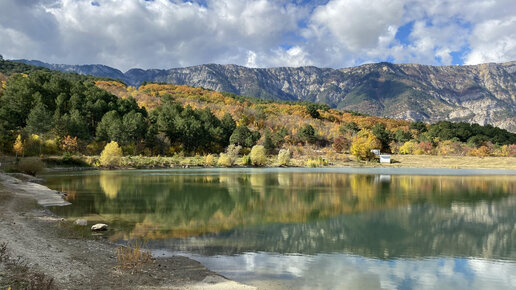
pixel 493 41
pixel 334 33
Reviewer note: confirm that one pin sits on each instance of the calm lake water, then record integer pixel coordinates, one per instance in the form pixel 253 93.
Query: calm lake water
pixel 314 228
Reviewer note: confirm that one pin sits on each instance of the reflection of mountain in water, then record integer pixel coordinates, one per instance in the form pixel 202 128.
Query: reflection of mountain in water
pixel 305 212
pixel 483 229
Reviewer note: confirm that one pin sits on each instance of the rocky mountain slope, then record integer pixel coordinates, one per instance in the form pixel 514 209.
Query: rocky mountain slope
pixel 484 94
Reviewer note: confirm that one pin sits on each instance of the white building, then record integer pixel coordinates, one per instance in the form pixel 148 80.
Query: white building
pixel 385 158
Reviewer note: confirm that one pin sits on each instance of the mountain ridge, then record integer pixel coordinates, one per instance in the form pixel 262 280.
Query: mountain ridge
pixel 483 94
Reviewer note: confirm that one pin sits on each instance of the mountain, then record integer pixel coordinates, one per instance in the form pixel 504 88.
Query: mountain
pixel 483 94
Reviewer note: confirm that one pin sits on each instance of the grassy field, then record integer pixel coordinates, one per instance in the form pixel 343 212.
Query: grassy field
pixel 432 161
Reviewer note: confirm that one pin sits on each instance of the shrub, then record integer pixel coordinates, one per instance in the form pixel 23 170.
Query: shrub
pixel 94 148
pixel 246 160
pixel 132 256
pixel 409 147
pixel 70 144
pixel 224 160
pixel 111 155
pixel 340 144
pixel 316 162
pixel 31 166
pixel 284 157
pixel 258 156
pixel 209 160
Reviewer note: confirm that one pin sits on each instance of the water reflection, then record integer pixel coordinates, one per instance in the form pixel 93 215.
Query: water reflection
pixel 303 212
pixel 342 271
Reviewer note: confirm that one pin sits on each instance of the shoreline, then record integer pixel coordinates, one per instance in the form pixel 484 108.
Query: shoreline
pixel 47 245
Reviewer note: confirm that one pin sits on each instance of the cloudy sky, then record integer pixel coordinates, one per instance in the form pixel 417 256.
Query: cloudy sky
pixel 258 33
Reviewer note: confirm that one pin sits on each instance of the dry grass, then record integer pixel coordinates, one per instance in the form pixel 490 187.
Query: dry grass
pixel 432 161
pixel 16 274
pixel 132 256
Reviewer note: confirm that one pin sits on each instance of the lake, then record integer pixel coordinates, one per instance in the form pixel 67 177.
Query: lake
pixel 313 228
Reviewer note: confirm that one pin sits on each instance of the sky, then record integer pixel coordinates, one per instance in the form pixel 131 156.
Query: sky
pixel 258 33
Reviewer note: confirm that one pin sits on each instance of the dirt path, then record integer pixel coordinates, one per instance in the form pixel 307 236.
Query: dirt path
pixel 42 241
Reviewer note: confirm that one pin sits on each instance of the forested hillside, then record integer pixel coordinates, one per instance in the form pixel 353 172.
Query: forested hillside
pixel 48 112
pixel 482 94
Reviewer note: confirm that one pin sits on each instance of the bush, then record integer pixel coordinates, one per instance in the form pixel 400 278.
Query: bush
pixel 284 157
pixel 258 156
pixel 246 160
pixel 111 155
pixel 209 160
pixel 316 162
pixel 224 160
pixel 31 166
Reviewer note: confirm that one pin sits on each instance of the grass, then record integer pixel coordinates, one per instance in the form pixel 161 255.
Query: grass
pixel 132 256
pixel 16 274
pixel 471 162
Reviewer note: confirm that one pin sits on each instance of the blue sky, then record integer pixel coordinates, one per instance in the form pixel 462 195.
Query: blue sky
pixel 258 33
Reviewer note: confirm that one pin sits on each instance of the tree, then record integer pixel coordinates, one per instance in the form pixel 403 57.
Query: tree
pixel 363 143
pixel 110 127
pixel 349 128
pixel 18 146
pixel 268 143
pixel 284 157
pixel 307 134
pixel 134 127
pixel 402 136
pixel 312 110
pixel 39 120
pixel 258 156
pixel 341 144
pixel 111 155
pixel 70 144
pixel 244 137
pixel 381 134
pixel 228 126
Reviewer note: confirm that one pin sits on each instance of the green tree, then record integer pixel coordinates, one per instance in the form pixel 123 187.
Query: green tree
pixel 228 126
pixel 268 143
pixel 307 134
pixel 381 134
pixel 312 110
pixel 39 120
pixel 134 127
pixel 244 137
pixel 110 127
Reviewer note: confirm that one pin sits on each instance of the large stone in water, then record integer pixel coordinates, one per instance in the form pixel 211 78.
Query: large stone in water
pixel 99 227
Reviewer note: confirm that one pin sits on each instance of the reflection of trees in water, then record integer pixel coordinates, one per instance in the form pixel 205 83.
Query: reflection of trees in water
pixel 185 205
pixel 483 229
pixel 110 184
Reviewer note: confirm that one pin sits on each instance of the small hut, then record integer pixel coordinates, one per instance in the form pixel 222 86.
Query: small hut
pixel 384 158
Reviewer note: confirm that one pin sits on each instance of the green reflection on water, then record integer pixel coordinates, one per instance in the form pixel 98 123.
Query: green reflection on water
pixel 300 212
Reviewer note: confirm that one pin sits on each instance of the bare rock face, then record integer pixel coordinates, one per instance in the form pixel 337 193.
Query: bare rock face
pixel 483 94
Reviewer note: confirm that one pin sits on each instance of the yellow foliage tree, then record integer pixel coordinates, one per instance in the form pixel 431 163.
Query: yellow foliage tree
pixel 111 155
pixel 258 155
pixel 363 143
pixel 409 147
pixel 18 146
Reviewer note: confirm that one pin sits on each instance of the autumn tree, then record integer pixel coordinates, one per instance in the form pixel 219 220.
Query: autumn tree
pixel 111 155
pixel 363 143
pixel 258 155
